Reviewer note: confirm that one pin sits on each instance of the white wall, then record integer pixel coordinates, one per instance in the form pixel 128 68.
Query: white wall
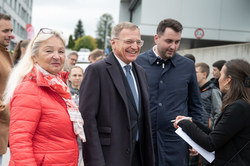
pixel 211 54
pixel 227 20
pixel 124 9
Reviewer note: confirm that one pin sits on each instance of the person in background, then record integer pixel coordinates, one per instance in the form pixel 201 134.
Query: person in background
pixel 115 107
pixel 75 80
pixel 96 55
pixel 173 90
pixel 211 102
pixel 70 61
pixel 190 56
pixel 216 71
pixel 6 65
pixel 19 50
pixel 44 121
pixel 230 138
pixel 210 95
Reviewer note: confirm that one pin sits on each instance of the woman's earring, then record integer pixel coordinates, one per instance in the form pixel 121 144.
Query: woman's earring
pixel 227 87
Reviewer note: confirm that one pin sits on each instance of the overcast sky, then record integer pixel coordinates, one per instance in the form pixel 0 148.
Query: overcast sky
pixel 64 14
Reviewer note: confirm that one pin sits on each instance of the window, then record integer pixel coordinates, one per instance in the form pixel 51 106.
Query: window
pixel 14 25
pixel 15 5
pixel 8 1
pixel 19 9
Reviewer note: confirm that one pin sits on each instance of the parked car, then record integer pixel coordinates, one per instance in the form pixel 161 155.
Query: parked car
pixel 83 60
pixel 83 65
pixel 83 55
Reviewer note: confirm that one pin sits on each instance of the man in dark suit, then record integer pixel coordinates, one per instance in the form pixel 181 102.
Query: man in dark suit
pixel 114 103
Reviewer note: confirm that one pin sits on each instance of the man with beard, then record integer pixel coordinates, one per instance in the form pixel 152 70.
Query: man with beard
pixel 6 65
pixel 173 90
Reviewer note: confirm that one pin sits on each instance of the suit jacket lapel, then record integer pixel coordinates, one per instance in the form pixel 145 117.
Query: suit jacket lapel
pixel 114 72
pixel 141 84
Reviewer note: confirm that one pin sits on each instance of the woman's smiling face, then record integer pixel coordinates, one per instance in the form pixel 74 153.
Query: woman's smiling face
pixel 51 55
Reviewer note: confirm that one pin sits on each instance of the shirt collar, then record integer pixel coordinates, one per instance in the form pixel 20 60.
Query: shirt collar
pixel 154 48
pixel 122 63
pixel 154 57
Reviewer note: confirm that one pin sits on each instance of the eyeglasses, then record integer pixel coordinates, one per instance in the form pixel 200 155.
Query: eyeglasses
pixel 45 31
pixel 130 42
pixel 49 31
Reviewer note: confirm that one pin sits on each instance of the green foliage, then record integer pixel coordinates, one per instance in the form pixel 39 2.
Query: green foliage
pixel 79 32
pixel 103 32
pixel 71 42
pixel 99 43
pixel 85 42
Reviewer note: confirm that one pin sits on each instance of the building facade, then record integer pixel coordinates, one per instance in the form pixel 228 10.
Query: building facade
pixel 206 23
pixel 21 15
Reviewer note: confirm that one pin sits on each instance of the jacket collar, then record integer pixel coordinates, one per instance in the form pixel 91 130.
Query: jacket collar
pixel 153 58
pixel 6 53
pixel 2 48
pixel 37 76
pixel 206 86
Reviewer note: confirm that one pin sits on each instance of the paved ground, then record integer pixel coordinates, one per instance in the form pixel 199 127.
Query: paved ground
pixel 6 158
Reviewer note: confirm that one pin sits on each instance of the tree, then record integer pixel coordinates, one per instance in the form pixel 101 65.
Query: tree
pixel 85 42
pixel 71 42
pixel 79 32
pixel 104 27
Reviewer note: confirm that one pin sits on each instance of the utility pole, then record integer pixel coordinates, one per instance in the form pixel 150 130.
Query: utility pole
pixel 106 29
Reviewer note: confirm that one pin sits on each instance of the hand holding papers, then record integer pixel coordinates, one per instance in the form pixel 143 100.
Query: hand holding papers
pixel 209 156
pixel 188 118
pixel 179 118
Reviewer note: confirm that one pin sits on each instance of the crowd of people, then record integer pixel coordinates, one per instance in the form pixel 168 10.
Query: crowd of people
pixel 119 111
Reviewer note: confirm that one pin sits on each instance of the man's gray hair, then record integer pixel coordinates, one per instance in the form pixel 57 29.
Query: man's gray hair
pixel 119 27
pixel 72 53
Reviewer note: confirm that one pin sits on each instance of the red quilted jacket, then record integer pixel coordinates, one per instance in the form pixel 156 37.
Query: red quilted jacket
pixel 41 132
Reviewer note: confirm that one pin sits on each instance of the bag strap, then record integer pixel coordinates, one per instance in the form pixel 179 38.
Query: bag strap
pixel 237 153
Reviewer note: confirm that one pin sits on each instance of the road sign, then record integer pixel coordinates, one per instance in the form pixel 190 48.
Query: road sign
pixel 199 33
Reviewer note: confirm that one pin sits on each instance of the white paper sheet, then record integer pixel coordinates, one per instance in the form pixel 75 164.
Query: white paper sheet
pixel 209 156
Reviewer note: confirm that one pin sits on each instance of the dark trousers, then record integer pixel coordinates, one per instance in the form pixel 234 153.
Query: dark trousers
pixel 198 161
pixel 194 160
pixel 136 158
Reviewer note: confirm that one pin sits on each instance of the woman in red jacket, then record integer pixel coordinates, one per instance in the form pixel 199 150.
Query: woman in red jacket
pixel 44 120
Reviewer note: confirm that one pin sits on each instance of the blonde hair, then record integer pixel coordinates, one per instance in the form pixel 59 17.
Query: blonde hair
pixel 26 64
pixel 97 54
